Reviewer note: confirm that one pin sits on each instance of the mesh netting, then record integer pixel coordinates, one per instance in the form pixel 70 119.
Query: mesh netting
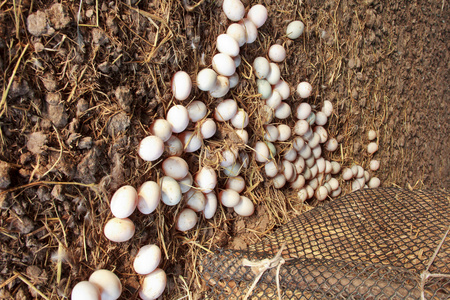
pixel 382 243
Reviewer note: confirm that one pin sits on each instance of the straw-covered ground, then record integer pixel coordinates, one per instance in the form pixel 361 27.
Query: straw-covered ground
pixel 77 99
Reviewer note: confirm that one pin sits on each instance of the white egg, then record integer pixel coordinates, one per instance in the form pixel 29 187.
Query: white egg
pixel 223 64
pixel 258 15
pixel 279 181
pixel 283 111
pixel 271 168
pixel 277 53
pixel 266 114
pixel 107 283
pixel 347 174
pixel 149 196
pixel 261 67
pixel 374 165
pixel 147 259
pixel 283 88
pixel 304 89
pixel 243 135
pixel 124 201
pixel 237 60
pixel 299 164
pixel 119 230
pixel 244 158
pixel 228 157
pixel 335 167
pixel 307 173
pixel 206 79
pixel 331 145
pixel 310 162
pixel 236 184
pixel 327 108
pixel 271 133
pixel 237 32
pixel 356 185
pixel 302 195
pixel 232 171
pixel 178 117
pixel 195 200
pixel 225 110
pixel 234 80
pixel 303 111
pixel 328 167
pixel 272 149
pixel 299 182
pixel 174 146
pixel 290 154
pixel 274 74
pixel 240 120
pixel 354 169
pixel 251 31
pixel 245 207
pixel 336 192
pixel 371 135
pixel 210 206
pixel 372 148
pixel 321 193
pixel 85 290
pixel 181 85
pixel 186 183
pixel 314 183
pixel 153 285
pixel 374 182
pixel 284 132
pixel 206 179
pixel 191 141
pixel 175 167
pixel 294 29
pixel 161 128
pixel 320 162
pixel 264 88
pixel 227 44
pixel 305 152
pixel 360 172
pixel 289 170
pixel 262 153
pixel 298 143
pixel 233 9
pixel 301 127
pixel 274 100
pixel 314 141
pixel 366 176
pixel 309 191
pixel 151 148
pixel 186 220
pixel 170 191
pixel 322 133
pixel 314 170
pixel 334 184
pixel 229 198
pixel 221 87
pixel 208 128
pixel 196 110
pixel 321 118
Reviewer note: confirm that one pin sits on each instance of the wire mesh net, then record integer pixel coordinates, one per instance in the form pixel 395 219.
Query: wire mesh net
pixel 382 243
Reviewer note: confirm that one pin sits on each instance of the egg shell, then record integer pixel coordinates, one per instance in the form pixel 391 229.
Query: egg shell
pixel 206 79
pixel 233 9
pixel 153 285
pixel 284 132
pixel 196 110
pixel 283 111
pixel 229 198
pixel 186 220
pixel 221 88
pixel 374 165
pixel 228 157
pixel 147 259
pixel 262 153
pixel 178 117
pixel 283 88
pixel 151 148
pixel 208 128
pixel 223 64
pixel 251 31
pixel 314 170
pixel 237 32
pixel 85 290
pixel 195 200
pixel 175 167
pixel 327 108
pixel 304 89
pixel 186 183
pixel 173 146
pixel 261 67
pixel 232 171
pixel 107 283
pixel 191 141
pixel 264 88
pixel 225 110
pixel 227 44
pixel 240 119
pixel 355 185
pixel 124 201
pixel 245 207
pixel 274 100
pixel 279 181
pixel 243 135
pixel 161 128
pixel 170 191
pixel 119 230
pixel 206 179
pixel 258 15
pixel 295 29
pixel 210 206
pixel 234 80
pixel 271 133
pixel 277 53
pixel 236 183
pixel 298 183
pixel 274 74
pixel 149 196
pixel 181 85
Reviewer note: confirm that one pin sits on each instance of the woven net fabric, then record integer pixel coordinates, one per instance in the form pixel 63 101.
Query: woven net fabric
pixel 384 243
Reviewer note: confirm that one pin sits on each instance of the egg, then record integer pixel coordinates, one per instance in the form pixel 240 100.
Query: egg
pixel 258 15
pixel 236 184
pixel 227 44
pixel 298 143
pixel 374 182
pixel 245 207
pixel 294 29
pixel 283 111
pixel 288 170
pixel 228 157
pixel 271 133
pixel 244 159
pixel 186 183
pixel 305 152
pixel 372 148
pixel 237 32
pixel 309 191
pixel 233 9
pixel 274 74
pixel 315 140
pixel 355 185
pixel 277 53
pixel 243 135
pixel 210 206
pixel 271 168
pixel 178 117
pixel 225 110
pixel 314 183
pixel 174 146
pixel 149 196
pixel 234 80
pixel 221 88
pixel 283 88
pixel 328 167
pixel 299 164
pixel 107 283
pixel 153 285
pixel 186 220
pixel 334 184
pixel 262 153
pixel 251 31
pixel 223 64
pixel 335 167
pixel 303 111
pixel 321 193
pixel 119 230
pixel 264 88
pixel 302 195
pixel 327 108
pixel 195 200
pixel 311 119
pixel 284 132
pixel 85 290
pixel 208 128
pixel 206 79
pixel 237 60
pixel 279 181
pixel 266 114
pixel 371 135
pixel 261 67
pixel 322 133
pixel 229 198
pixel 321 118
pixel 206 179
pixel 314 170
pixel 347 174
pixel 151 148
pixel 298 183
pixel 232 171
pixel 301 127
pixel 274 100
pixel 181 85
pixel 147 259
pixel 124 201
pixel 310 162
pixel 374 165
pixel 290 154
pixel 196 110
pixel 331 145
pixel 175 167
pixel 191 141
pixel 354 169
pixel 304 89
pixel 320 162
pixel 240 120
pixel 162 129
pixel 170 191
pixel 336 192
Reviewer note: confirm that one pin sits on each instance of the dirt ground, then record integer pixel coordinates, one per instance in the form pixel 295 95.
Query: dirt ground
pixel 77 99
